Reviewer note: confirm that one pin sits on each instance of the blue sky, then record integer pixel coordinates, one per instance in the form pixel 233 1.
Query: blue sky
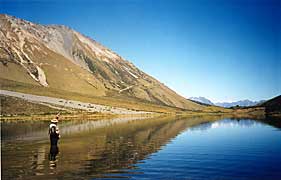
pixel 221 49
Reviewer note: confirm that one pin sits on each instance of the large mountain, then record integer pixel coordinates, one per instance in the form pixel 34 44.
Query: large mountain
pixel 57 57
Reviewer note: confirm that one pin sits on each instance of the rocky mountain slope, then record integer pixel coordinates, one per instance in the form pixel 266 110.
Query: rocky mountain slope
pixel 58 57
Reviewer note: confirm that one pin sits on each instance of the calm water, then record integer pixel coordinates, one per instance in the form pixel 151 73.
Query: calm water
pixel 162 148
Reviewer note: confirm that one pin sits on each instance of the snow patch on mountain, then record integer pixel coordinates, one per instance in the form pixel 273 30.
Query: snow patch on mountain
pixel 102 52
pixel 129 71
pixel 202 100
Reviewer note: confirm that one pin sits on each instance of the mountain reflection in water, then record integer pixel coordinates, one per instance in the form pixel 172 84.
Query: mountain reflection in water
pixel 117 148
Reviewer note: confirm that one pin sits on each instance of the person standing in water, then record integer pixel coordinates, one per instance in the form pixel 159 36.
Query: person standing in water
pixel 54 131
pixel 54 137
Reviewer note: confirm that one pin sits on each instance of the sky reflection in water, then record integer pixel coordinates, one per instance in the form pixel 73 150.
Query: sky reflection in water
pixel 162 148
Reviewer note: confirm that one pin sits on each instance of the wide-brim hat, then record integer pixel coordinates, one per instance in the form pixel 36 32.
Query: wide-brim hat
pixel 54 121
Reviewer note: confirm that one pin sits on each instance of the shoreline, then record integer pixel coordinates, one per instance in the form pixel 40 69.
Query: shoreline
pixel 95 116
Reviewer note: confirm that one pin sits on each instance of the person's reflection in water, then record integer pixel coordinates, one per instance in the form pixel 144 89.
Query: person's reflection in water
pixel 54 150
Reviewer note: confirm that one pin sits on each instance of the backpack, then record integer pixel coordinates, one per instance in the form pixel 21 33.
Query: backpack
pixel 52 131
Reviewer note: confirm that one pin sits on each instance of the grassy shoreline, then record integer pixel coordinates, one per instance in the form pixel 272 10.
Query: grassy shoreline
pixel 73 116
pixel 97 116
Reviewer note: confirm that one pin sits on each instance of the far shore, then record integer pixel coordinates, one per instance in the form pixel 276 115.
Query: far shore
pixel 45 108
pixel 97 116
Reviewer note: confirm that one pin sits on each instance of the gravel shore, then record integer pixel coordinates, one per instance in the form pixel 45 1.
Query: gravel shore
pixel 51 101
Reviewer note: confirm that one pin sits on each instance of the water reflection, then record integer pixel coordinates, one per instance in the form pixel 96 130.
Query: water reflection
pixel 38 158
pixel 105 148
pixel 36 130
pixel 244 123
pixel 54 150
pixel 89 148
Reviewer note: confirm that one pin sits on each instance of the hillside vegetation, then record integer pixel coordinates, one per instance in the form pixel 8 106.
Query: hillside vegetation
pixel 273 106
pixel 16 106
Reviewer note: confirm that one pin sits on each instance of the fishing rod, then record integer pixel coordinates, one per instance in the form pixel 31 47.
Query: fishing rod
pixel 62 107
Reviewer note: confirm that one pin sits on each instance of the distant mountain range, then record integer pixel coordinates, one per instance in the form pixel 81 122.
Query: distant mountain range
pixel 243 103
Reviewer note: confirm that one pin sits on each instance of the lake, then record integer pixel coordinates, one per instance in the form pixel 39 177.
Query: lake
pixel 159 148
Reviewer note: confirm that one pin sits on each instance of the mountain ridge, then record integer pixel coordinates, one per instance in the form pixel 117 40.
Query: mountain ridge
pixel 59 57
pixel 243 103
